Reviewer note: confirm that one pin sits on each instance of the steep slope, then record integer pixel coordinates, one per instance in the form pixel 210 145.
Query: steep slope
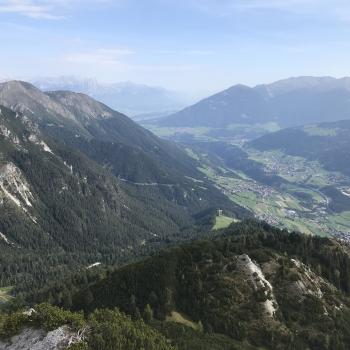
pixel 113 140
pixel 53 197
pixel 81 183
pixel 78 120
pixel 111 130
pixel 289 102
pixel 239 104
pixel 275 289
pixel 25 98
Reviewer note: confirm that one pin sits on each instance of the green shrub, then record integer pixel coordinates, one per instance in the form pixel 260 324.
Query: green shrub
pixel 51 317
pixel 12 324
pixel 112 330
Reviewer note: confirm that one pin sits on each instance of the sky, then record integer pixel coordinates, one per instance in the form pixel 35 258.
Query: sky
pixel 186 45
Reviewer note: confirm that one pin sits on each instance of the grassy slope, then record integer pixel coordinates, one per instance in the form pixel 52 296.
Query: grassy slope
pixel 222 221
pixel 5 294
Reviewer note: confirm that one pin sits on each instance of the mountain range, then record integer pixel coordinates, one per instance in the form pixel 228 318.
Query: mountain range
pixel 289 102
pixel 127 97
pixel 86 193
pixel 80 179
pixel 285 157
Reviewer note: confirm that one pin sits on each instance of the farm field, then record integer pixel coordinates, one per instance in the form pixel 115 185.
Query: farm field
pixel 233 133
pixel 297 205
pixel 298 202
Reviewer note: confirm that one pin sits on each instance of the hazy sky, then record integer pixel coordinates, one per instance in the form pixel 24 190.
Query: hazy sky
pixel 191 45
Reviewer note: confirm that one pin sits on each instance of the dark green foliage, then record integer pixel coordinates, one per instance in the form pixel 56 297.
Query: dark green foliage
pixel 185 338
pixel 338 201
pixel 202 281
pixel 12 324
pixel 148 314
pixel 111 330
pixel 50 317
pixel 107 329
pixel 44 316
pixel 82 211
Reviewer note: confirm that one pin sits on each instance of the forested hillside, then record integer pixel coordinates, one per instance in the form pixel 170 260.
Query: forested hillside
pixel 172 177
pixel 81 183
pixel 251 286
pixel 270 287
pixel 62 208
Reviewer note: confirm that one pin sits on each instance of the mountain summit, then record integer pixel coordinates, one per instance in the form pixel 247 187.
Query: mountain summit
pixel 288 102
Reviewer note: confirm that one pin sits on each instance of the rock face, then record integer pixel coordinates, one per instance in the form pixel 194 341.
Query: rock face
pixel 308 283
pixel 25 98
pixel 14 187
pixel 61 108
pixel 256 277
pixel 38 339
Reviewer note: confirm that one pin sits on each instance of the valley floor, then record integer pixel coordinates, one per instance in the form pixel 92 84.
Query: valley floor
pixel 298 205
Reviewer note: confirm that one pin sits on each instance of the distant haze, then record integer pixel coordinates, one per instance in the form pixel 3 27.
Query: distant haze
pixel 187 45
pixel 126 97
pixel 289 102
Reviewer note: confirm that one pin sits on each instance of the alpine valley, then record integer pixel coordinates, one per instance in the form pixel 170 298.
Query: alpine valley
pixel 81 183
pixel 229 230
pixel 279 150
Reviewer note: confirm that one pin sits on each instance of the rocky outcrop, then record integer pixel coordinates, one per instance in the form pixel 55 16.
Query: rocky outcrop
pixel 38 339
pixel 308 283
pixel 14 187
pixel 256 278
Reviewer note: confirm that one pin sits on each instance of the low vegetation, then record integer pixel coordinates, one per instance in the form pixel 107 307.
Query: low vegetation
pixel 105 329
pixel 289 287
pixel 222 221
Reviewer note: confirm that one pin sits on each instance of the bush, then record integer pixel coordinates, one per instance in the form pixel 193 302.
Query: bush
pixel 112 330
pixel 51 317
pixel 45 316
pixel 12 324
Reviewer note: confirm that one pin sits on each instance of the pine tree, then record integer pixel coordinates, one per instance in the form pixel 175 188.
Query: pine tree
pixel 88 297
pixel 148 314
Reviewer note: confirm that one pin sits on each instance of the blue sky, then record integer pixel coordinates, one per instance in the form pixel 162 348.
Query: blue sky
pixel 188 45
